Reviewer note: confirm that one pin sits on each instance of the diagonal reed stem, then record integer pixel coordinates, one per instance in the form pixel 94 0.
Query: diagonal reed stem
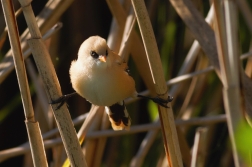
pixel 47 72
pixel 206 38
pixel 165 114
pixel 45 20
pixel 137 50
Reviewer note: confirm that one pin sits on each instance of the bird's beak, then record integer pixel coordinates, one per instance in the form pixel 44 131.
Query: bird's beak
pixel 102 58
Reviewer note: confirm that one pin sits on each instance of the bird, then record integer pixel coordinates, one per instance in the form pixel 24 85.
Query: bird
pixel 102 78
pixel 99 76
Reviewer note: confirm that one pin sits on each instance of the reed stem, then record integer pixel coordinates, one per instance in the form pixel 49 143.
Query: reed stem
pixel 170 137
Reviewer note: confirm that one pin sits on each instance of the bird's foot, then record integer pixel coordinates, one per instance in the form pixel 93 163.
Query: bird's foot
pixel 158 100
pixel 62 100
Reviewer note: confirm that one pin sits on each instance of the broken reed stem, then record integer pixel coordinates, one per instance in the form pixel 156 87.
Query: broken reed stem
pixel 171 144
pixel 33 129
pixel 47 72
pixel 226 38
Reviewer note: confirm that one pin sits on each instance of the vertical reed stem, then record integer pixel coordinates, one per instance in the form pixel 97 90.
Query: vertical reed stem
pixel 226 37
pixel 33 129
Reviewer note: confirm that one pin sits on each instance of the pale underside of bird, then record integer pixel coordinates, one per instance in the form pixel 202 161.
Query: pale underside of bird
pixel 99 76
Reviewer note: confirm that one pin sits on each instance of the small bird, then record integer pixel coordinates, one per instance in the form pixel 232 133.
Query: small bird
pixel 100 76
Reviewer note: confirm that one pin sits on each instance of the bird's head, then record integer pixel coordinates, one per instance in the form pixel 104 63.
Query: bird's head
pixel 94 52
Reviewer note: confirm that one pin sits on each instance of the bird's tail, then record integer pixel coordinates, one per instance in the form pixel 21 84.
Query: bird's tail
pixel 118 116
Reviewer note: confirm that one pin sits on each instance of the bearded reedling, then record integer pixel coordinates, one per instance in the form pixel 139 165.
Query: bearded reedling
pixel 99 76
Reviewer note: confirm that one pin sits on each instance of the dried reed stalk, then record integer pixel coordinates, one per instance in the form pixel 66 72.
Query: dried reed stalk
pixel 138 159
pixel 206 38
pixel 33 129
pixel 91 146
pixel 43 102
pixel 191 55
pixel 186 153
pixel 174 91
pixel 197 121
pixel 45 20
pixel 166 115
pixel 185 77
pixel 248 68
pixel 115 36
pixel 194 86
pixel 101 142
pixel 127 35
pixel 85 127
pixel 226 38
pixel 7 64
pixel 199 147
pixel 200 29
pixel 4 33
pixel 246 12
pixel 24 148
pixel 137 49
pixel 47 72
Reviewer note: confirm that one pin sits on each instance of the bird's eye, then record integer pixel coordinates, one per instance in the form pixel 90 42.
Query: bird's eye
pixel 94 54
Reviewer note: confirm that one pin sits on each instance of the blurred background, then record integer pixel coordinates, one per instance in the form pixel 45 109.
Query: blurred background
pixel 200 96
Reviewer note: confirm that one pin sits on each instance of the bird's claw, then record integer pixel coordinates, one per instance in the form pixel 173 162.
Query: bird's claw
pixel 62 100
pixel 158 100
pixel 162 102
pixel 59 101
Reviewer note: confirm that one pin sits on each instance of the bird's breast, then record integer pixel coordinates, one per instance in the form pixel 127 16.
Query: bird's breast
pixel 104 87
